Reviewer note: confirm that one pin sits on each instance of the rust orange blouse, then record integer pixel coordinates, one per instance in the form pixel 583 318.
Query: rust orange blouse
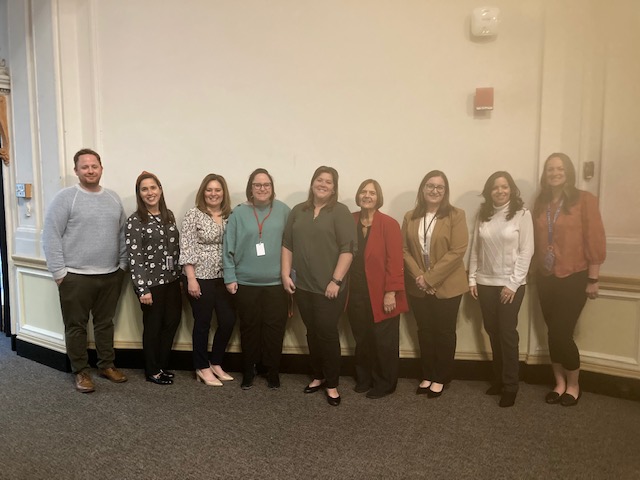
pixel 578 237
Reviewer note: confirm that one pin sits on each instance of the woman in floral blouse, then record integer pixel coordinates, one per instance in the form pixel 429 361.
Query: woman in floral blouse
pixel 201 257
pixel 152 241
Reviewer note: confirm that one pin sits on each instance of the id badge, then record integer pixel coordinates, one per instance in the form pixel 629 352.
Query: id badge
pixel 260 249
pixel 549 260
pixel 426 261
pixel 169 261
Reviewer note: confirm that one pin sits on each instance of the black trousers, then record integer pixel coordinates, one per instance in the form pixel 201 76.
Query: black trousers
pixel 263 313
pixel 160 321
pixel 562 301
pixel 501 323
pixel 321 315
pixel 214 297
pixel 377 346
pixel 436 319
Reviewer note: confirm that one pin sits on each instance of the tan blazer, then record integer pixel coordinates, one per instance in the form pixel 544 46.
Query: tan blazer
pixel 448 246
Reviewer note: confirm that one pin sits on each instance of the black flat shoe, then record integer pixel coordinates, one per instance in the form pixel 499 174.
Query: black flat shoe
pixel 273 380
pixel 552 398
pixel 247 381
pixel 168 374
pixel 334 402
pixel 159 380
pixel 508 399
pixel 568 400
pixel 494 390
pixel 309 389
pixel 422 390
pixel 432 394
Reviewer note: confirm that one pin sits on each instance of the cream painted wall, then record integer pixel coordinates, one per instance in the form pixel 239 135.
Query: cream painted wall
pixel 374 88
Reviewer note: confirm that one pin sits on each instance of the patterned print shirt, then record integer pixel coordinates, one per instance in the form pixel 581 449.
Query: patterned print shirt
pixel 201 244
pixel 153 250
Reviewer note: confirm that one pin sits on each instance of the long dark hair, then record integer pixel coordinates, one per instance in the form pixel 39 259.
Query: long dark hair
pixel 421 204
pixel 334 197
pixel 570 193
pixel 249 190
pixel 515 202
pixel 225 206
pixel 165 214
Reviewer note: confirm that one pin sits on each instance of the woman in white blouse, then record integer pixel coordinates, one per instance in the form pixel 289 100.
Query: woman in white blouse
pixel 201 259
pixel 501 252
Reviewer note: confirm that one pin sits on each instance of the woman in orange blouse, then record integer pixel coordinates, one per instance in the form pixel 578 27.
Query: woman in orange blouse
pixel 570 247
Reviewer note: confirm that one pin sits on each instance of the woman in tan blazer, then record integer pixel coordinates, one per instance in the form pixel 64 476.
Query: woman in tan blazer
pixel 435 239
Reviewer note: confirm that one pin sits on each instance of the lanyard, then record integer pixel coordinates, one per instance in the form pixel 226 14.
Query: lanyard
pixel 425 230
pixel 550 224
pixel 260 224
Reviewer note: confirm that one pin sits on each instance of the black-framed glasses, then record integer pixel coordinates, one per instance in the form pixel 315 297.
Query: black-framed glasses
pixel 431 187
pixel 258 186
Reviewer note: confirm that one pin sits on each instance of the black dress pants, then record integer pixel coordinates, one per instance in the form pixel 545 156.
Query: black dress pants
pixel 214 297
pixel 501 323
pixel 377 346
pixel 321 315
pixel 263 312
pixel 562 301
pixel 436 319
pixel 160 321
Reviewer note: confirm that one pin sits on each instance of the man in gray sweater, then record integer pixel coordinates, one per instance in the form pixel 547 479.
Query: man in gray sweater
pixel 84 245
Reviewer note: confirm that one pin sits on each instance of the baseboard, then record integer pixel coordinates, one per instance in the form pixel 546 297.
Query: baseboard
pixel 42 355
pixel 610 385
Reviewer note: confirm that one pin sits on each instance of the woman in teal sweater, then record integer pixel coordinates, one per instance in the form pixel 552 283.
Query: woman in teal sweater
pixel 252 250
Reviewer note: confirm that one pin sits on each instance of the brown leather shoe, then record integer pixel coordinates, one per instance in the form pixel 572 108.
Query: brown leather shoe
pixel 84 384
pixel 113 374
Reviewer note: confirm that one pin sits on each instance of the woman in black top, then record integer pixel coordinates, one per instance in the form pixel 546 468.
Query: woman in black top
pixel 152 241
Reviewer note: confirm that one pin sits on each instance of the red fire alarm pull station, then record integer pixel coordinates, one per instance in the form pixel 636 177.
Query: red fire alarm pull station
pixel 484 99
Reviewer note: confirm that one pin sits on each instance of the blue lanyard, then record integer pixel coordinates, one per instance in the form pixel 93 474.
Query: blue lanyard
pixel 550 223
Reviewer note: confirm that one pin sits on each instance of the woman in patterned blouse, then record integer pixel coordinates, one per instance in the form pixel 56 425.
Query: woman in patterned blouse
pixel 201 257
pixel 152 241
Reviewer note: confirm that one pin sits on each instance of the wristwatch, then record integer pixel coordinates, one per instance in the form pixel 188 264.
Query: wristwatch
pixel 336 281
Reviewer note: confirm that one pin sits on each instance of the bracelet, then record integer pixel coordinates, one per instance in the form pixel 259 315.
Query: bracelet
pixel 592 280
pixel 336 281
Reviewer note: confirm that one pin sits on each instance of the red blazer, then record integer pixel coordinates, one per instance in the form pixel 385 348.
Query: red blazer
pixel 383 265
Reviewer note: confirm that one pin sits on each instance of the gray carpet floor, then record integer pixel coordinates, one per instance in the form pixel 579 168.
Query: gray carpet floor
pixel 138 430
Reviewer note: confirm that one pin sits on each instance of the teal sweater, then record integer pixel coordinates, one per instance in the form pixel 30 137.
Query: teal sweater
pixel 241 262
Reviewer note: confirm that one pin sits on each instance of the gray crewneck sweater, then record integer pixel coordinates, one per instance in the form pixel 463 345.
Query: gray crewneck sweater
pixel 84 233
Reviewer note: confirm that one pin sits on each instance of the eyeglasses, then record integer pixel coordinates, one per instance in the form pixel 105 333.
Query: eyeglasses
pixel 431 187
pixel 258 186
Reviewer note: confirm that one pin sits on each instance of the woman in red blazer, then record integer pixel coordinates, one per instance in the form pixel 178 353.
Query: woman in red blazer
pixel 376 294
